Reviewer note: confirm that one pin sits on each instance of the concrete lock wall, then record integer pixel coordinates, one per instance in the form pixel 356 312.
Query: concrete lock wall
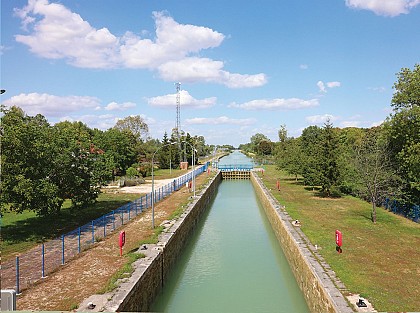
pixel 320 286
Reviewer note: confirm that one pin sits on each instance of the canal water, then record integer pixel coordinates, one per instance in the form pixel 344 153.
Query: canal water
pixel 233 262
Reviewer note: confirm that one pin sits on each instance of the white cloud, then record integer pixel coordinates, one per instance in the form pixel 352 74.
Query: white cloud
pixel 345 124
pixel 333 84
pixel 220 120
pixel 55 32
pixel 303 66
pixel 384 7
pixel 276 104
pixel 192 69
pixel 50 105
pixel 320 119
pixel 186 100
pixel 323 86
pixel 113 106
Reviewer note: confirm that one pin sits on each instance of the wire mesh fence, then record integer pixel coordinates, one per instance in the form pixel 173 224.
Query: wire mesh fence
pixel 27 268
pixel 409 211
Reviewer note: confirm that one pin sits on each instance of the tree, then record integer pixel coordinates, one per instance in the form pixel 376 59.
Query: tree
pixel 290 157
pixel 373 164
pixel 72 169
pixel 311 142
pixel 135 125
pixel 164 155
pixel 403 129
pixel 256 140
pixel 329 159
pixel 407 89
pixel 26 181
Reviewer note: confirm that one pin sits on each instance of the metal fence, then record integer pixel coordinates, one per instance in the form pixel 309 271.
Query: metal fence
pixel 409 211
pixel 26 269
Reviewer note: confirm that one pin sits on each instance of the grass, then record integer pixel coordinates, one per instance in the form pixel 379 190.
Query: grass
pixel 166 173
pixel 380 261
pixel 154 238
pixel 21 232
pixel 123 272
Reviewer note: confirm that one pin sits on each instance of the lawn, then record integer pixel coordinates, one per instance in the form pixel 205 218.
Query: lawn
pixel 21 232
pixel 379 261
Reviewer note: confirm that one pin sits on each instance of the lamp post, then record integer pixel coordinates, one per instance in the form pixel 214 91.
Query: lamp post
pixel 193 165
pixel 153 183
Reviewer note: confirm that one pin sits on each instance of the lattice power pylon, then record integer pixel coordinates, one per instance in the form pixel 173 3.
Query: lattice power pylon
pixel 182 152
pixel 178 111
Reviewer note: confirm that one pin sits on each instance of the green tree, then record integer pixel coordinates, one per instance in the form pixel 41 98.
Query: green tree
pixel 290 157
pixel 373 164
pixel 311 144
pixel 74 163
pixel 329 159
pixel 135 125
pixel 26 181
pixel 403 128
pixel 407 89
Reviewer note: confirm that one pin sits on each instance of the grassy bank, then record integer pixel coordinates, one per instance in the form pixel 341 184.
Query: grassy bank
pixel 21 232
pixel 379 261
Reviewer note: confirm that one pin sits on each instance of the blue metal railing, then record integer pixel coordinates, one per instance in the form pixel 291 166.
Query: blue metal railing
pixel 235 167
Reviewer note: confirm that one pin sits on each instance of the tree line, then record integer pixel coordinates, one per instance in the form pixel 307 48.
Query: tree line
pixel 371 163
pixel 42 165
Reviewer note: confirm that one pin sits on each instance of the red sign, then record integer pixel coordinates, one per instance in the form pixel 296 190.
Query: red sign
pixel 338 238
pixel 122 241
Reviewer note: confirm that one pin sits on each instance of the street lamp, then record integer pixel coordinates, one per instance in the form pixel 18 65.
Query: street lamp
pixel 153 182
pixel 193 161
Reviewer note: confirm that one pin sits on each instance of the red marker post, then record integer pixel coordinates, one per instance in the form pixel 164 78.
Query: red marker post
pixel 339 240
pixel 122 241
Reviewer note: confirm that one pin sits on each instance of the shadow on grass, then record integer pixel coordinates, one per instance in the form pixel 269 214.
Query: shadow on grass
pixel 323 194
pixel 38 229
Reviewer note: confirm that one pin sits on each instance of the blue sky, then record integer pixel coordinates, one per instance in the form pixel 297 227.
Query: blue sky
pixel 245 67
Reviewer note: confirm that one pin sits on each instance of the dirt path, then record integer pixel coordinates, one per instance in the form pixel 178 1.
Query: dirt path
pixel 92 269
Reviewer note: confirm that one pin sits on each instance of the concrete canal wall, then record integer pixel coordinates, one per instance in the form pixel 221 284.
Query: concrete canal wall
pixel 318 282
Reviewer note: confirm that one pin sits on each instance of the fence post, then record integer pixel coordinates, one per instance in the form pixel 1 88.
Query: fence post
pixel 141 204
pixel 62 250
pixel 129 211
pixel 93 231
pixel 113 219
pixel 122 217
pixel 43 261
pixel 78 233
pixel 17 275
pixel 146 201
pixel 103 218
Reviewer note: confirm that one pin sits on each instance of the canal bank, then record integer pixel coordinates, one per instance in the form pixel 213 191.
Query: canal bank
pixel 319 284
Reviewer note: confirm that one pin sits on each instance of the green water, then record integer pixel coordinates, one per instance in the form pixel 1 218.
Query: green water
pixel 233 262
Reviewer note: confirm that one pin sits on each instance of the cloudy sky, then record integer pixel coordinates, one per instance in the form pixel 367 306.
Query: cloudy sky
pixel 245 67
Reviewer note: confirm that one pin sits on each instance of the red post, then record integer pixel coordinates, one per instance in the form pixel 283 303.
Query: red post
pixel 278 185
pixel 121 241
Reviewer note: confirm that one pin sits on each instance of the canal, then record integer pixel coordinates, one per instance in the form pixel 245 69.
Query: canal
pixel 233 261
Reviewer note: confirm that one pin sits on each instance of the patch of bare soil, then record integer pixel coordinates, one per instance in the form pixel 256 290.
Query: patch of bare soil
pixel 85 275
